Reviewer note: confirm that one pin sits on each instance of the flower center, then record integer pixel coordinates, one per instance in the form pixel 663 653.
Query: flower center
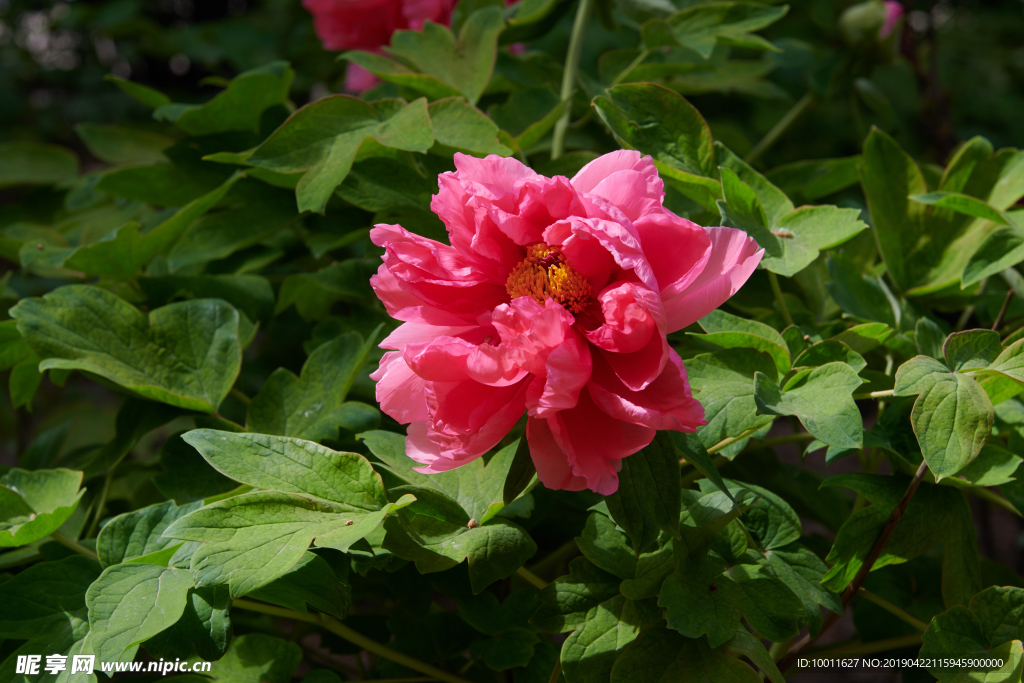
pixel 544 274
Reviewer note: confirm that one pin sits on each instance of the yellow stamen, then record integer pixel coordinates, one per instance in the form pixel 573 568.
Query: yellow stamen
pixel 545 274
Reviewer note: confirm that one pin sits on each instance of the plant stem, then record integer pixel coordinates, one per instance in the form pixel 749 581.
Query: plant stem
pixel 783 308
pixel 242 398
pixel 1002 311
pixel 69 542
pixel 566 551
pixel 558 670
pixel 725 443
pixel 780 128
pixel 101 500
pixel 876 550
pixel 336 627
pixel 572 65
pixel 531 578
pixel 773 441
pixel 779 650
pixel 644 54
pixel 874 394
pixel 892 609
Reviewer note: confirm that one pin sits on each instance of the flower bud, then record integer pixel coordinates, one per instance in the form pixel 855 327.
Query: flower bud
pixel 871 28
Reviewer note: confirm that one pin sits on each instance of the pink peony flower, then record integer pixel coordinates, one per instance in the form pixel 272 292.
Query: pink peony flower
pixel 554 299
pixel 893 12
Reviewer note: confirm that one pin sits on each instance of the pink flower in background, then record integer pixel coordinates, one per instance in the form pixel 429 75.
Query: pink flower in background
pixel 368 25
pixel 554 299
pixel 893 12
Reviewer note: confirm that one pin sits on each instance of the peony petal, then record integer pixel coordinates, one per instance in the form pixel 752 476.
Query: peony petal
pixel 600 168
pixel 677 249
pixel 595 444
pixel 628 321
pixel 635 193
pixel 467 419
pixel 568 368
pixel 665 404
pixel 734 256
pixel 400 392
pixel 638 369
pixel 550 460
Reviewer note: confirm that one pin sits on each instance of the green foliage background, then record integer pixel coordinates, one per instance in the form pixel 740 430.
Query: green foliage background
pixel 194 462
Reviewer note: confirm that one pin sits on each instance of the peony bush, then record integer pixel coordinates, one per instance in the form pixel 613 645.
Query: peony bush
pixel 518 358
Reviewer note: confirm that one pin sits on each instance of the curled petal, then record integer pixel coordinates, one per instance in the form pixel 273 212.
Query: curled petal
pixel 734 256
pixel 628 320
pixel 666 403
pixel 567 369
pixel 677 249
pixel 400 392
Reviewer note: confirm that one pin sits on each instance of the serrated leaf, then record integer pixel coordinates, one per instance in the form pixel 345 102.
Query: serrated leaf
pixel 589 653
pixel 952 416
pixel 185 354
pixel 608 548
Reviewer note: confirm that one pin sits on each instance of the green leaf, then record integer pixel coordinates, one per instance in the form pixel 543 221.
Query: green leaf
pixel 121 253
pixel 772 199
pixel 314 293
pixel 703 26
pixel 460 126
pixel 805 181
pixel 35 504
pixel 33 163
pixel 971 349
pixel 988 628
pixel 311 407
pixel 311 582
pixel 770 518
pixel 118 145
pixel 704 597
pixel 800 569
pixel 130 603
pixel 804 232
pixel 962 203
pixel 929 338
pixel 437 534
pixel 889 176
pixel 730 331
pixel 661 654
pixel 658 121
pixel 830 351
pixel 589 653
pixel 952 416
pixel 521 473
pixel 186 476
pixel 237 107
pixel 723 382
pixel 138 533
pixel 608 548
pixel 822 400
pixel 860 295
pixel 477 488
pixel 566 602
pixel 696 454
pixel 322 140
pixel 1003 248
pixel 465 64
pixel 204 627
pixel 513 648
pixel 292 465
pixel 257 658
pixel 935 513
pixel 141 93
pixel 651 571
pixel 252 539
pixel 647 500
pixel 992 467
pixel 185 354
pixel 46 597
